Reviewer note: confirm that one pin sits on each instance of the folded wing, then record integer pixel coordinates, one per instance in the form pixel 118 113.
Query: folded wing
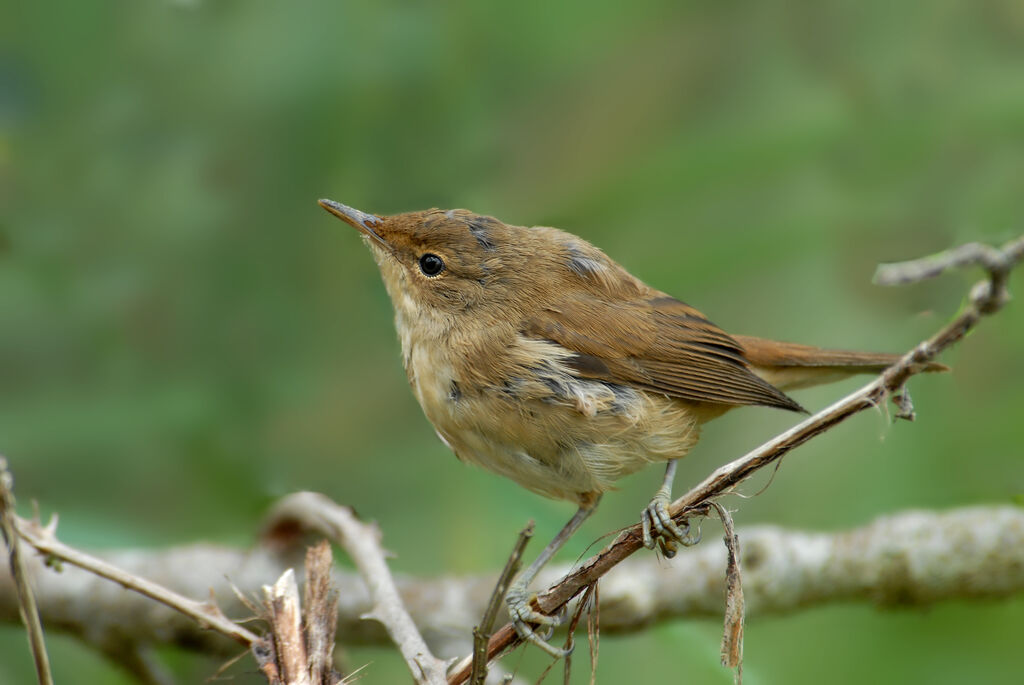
pixel 657 344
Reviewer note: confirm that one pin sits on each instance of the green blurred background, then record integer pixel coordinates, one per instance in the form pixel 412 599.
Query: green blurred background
pixel 185 335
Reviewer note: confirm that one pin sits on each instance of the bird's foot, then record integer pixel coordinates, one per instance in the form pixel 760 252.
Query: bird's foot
pixel 526 620
pixel 658 527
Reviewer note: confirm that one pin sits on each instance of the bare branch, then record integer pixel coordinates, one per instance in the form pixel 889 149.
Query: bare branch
pixel 991 259
pixel 987 297
pixel 362 542
pixel 911 559
pixel 26 598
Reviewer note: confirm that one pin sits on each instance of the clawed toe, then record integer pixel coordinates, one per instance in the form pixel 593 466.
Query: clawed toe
pixel 525 617
pixel 659 528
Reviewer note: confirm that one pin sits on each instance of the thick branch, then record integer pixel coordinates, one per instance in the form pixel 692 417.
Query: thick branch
pixel 909 559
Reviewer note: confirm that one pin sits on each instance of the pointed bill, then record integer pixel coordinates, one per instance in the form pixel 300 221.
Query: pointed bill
pixel 361 221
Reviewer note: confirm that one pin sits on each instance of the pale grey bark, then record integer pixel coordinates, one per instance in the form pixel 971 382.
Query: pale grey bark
pixel 911 559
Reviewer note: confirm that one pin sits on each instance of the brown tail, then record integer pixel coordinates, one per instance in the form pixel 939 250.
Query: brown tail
pixel 788 365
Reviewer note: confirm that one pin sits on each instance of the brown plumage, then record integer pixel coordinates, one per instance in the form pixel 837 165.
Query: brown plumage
pixel 536 356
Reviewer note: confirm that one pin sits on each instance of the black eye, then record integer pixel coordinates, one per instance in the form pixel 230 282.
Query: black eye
pixel 431 264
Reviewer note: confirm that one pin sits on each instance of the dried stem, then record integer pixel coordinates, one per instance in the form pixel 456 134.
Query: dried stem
pixel 986 298
pixel 289 665
pixel 732 639
pixel 362 542
pixel 321 614
pixel 26 598
pixel 300 647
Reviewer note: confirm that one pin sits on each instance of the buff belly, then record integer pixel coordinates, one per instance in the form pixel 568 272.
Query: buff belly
pixel 553 433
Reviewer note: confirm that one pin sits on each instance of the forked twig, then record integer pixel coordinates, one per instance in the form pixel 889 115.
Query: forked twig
pixel 207 614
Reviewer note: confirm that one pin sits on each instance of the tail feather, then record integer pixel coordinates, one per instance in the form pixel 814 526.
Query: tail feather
pixel 790 365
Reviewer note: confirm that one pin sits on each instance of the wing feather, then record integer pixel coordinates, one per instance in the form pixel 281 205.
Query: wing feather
pixel 658 344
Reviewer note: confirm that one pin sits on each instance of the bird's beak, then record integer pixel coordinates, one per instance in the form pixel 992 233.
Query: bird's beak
pixel 361 221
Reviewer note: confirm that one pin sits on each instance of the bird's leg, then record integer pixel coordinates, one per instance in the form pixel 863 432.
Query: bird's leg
pixel 658 525
pixel 519 598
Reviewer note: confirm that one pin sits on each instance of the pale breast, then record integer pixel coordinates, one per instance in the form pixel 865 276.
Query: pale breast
pixel 432 379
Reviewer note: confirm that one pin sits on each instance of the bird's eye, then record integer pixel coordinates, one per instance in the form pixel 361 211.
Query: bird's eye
pixel 431 264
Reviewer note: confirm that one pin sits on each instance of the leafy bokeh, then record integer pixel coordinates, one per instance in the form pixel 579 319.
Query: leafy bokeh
pixel 185 335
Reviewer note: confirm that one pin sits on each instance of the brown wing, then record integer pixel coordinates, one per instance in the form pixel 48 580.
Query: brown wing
pixel 658 344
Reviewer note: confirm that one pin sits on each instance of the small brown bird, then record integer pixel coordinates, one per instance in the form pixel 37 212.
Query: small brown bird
pixel 536 356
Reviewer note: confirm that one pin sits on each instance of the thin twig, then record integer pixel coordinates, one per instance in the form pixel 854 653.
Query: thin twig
pixel 482 633
pixel 594 630
pixel 986 298
pixel 26 598
pixel 990 258
pixel 207 614
pixel 362 542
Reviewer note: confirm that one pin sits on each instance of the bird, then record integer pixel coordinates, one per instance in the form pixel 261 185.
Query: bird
pixel 536 356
